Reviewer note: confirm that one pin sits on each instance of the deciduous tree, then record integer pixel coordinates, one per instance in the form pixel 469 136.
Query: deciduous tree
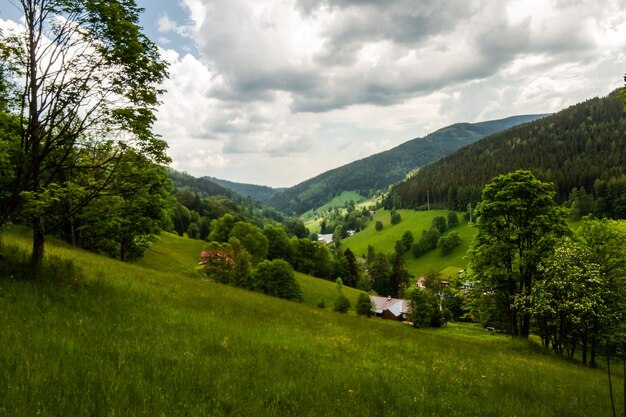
pixel 518 224
pixel 87 79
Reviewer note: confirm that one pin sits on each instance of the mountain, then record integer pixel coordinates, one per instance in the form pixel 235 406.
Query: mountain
pixel 582 147
pixel 259 192
pixel 210 200
pixel 204 187
pixel 378 171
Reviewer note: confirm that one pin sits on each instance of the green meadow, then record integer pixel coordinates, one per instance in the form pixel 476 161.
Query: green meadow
pixel 151 339
pixel 416 222
pixel 337 201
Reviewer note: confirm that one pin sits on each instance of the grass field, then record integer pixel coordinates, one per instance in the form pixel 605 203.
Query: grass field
pixel 338 201
pixel 416 222
pixel 127 340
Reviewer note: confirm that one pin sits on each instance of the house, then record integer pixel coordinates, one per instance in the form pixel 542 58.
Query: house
pixel 207 256
pixel 390 308
pixel 325 239
pixel 421 282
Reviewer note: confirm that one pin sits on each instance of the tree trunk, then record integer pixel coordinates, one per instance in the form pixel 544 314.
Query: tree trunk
pixel 608 370
pixel 592 361
pixel 584 347
pixel 624 362
pixel 38 242
pixel 123 250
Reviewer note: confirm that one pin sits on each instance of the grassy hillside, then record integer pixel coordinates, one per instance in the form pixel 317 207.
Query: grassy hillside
pixel 122 339
pixel 416 222
pixel 178 255
pixel 337 201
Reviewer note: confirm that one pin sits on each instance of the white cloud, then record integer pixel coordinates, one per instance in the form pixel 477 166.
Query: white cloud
pixel 283 90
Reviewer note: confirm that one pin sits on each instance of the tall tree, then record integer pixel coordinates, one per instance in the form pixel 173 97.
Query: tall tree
pixel 88 78
pixel 518 224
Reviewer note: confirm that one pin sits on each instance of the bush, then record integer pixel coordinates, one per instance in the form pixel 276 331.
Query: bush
pixel 395 218
pixel 453 219
pixel 321 303
pixel 447 243
pixel 439 223
pixel 379 226
pixel 364 305
pixel 421 308
pixel 276 278
pixel 342 304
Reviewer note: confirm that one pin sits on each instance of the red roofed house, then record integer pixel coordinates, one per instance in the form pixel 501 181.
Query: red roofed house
pixel 390 308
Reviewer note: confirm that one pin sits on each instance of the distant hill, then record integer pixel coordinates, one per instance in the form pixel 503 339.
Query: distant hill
pixel 211 200
pixel 204 187
pixel 259 192
pixel 581 146
pixel 378 171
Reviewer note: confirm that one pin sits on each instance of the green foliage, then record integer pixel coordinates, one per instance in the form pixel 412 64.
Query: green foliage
pixel 321 303
pixel 421 308
pixel 447 243
pixel 518 223
pixel 572 148
pixel 295 227
pixel 276 278
pixel 79 125
pixel 428 242
pixel 278 243
pixel 439 223
pixel 378 226
pixel 364 305
pixel 569 298
pixel 453 219
pixel 222 227
pixel 380 273
pixel 342 304
pixel 395 217
pixel 252 238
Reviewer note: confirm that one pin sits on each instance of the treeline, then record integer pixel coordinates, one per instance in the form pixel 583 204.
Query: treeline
pixel 377 172
pixel 582 147
pixel 236 250
pixel 198 201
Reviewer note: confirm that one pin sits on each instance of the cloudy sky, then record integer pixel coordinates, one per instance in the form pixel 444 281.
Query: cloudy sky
pixel 276 91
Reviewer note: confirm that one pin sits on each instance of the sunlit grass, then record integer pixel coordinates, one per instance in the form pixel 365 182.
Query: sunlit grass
pixel 125 340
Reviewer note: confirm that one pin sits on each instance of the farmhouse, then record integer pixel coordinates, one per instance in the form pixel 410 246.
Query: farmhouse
pixel 390 308
pixel 207 256
pixel 325 239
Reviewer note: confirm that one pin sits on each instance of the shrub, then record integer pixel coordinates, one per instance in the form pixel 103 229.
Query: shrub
pixel 440 224
pixel 276 278
pixel 379 226
pixel 364 305
pixel 453 219
pixel 447 243
pixel 395 218
pixel 342 304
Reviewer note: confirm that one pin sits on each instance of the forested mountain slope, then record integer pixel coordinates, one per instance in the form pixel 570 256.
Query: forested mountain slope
pixel 378 171
pixel 581 146
pixel 259 192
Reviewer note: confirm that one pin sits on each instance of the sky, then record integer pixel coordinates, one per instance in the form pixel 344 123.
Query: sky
pixel 274 92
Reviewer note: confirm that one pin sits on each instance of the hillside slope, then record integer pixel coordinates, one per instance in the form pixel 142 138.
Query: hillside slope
pixel 259 192
pixel 378 171
pixel 121 339
pixel 572 148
